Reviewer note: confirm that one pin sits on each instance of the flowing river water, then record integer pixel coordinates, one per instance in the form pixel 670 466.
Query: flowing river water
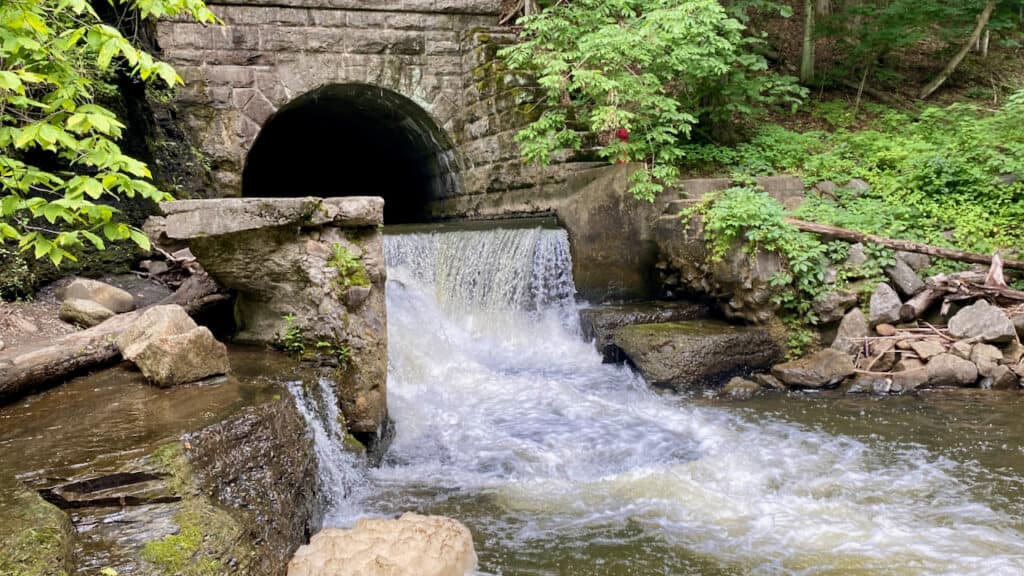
pixel 561 465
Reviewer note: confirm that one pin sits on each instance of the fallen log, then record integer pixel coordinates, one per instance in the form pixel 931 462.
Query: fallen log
pixel 904 245
pixel 915 307
pixel 22 371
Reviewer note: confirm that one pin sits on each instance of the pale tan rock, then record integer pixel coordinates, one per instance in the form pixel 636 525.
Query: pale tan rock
pixel 110 297
pixel 84 313
pixel 155 322
pixel 182 358
pixel 927 348
pixel 413 545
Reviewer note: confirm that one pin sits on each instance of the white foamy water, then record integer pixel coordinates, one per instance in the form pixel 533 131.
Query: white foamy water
pixel 498 402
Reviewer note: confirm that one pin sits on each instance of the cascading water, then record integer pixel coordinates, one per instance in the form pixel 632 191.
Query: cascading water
pixel 509 422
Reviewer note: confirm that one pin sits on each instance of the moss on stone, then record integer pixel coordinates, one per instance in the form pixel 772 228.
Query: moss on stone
pixel 35 536
pixel 209 541
pixel 351 271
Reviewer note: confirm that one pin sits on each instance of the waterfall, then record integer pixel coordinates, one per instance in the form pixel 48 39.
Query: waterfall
pixel 508 421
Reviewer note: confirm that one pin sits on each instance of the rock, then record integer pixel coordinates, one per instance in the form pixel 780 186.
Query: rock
pixel 867 384
pixel 950 370
pixel 904 278
pixel 412 545
pixel 925 349
pixel 822 369
pixel 885 306
pixel 885 330
pixel 1001 378
pixel 1012 353
pixel 1018 325
pixel 826 188
pixel 834 305
pixel 599 323
pixel 154 267
pixel 182 358
pixel 910 374
pixel 769 381
pixel 857 185
pixel 904 344
pixel 917 262
pixel 852 330
pixel 36 537
pixel 2 345
pixel 155 322
pixel 356 295
pixel 85 313
pixel 983 321
pixel 114 299
pixel 961 349
pixel 856 257
pixel 986 357
pixel 695 354
pixel 740 388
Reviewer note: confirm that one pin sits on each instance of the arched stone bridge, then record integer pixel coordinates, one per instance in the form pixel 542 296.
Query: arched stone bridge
pixel 336 97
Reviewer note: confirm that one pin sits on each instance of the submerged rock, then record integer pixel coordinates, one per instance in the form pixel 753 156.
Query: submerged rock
pixel 823 369
pixel 695 354
pixel 182 358
pixel 110 297
pixel 413 545
pixel 599 323
pixel 983 321
pixel 85 313
pixel 739 388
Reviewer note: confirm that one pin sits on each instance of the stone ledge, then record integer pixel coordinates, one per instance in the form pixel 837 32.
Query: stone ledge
pixel 186 219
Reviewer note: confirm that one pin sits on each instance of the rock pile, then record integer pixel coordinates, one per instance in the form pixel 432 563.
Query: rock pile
pixel 980 346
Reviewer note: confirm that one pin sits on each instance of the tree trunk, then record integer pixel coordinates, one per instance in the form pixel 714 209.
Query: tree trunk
pixel 948 70
pixel 905 245
pixel 807 55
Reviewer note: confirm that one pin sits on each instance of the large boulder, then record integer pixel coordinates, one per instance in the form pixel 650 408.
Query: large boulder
pixel 599 323
pixel 155 322
pixel 85 313
pixel 852 330
pixel 413 545
pixel 983 321
pixel 950 370
pixel 110 297
pixel 182 358
pixel 884 306
pixel 986 357
pixel 823 369
pixel 695 354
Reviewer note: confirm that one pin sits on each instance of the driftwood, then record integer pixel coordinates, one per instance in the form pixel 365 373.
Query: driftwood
pixel 24 371
pixel 915 307
pixel 963 286
pixel 904 245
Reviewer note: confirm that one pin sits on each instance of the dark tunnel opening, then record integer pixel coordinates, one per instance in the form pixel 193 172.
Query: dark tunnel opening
pixel 353 140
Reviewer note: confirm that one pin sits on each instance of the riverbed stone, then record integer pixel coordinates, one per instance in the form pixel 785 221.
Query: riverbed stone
pixel 412 545
pixel 154 322
pixel 852 330
pixel 884 306
pixel 1013 352
pixel 110 297
pixel 881 356
pixel 982 321
pixel 917 262
pixel 599 323
pixel 986 357
pixel 903 277
pixel 768 381
pixel 950 370
pixel 182 358
pixel 1001 378
pixel 739 388
pixel 84 313
pixel 823 369
pixel 925 349
pixel 885 330
pixel 833 306
pixel 869 384
pixel 909 375
pixel 961 349
pixel 695 354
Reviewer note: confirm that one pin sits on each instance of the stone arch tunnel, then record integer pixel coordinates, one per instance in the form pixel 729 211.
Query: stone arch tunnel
pixel 354 140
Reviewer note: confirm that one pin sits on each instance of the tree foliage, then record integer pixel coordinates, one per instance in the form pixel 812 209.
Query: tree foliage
pixel 59 156
pixel 657 69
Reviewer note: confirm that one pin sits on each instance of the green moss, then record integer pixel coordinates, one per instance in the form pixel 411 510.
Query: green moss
pixel 208 540
pixel 35 536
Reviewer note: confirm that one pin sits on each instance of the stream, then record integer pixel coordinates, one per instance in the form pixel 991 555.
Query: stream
pixel 508 421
